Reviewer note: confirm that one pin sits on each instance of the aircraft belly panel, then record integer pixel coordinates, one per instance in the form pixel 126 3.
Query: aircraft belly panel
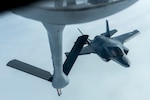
pixel 73 14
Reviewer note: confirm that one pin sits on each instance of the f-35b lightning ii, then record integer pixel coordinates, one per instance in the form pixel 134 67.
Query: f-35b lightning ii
pixel 109 48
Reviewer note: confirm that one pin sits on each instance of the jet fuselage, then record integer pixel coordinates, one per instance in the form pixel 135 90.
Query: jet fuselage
pixel 110 49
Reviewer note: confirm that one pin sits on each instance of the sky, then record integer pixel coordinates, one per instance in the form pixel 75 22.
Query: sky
pixel 91 78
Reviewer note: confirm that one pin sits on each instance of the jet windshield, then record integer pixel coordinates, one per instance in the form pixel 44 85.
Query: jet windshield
pixel 116 51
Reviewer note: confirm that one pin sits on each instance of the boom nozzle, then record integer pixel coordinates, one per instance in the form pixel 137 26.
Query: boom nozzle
pixel 59 92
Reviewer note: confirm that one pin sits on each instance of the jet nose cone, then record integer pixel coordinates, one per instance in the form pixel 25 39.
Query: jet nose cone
pixel 125 61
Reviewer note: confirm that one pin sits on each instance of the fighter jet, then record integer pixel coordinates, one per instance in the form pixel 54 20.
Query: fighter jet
pixel 109 48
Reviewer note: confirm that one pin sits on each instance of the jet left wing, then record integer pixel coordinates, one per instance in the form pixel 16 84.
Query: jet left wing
pixel 125 37
pixel 87 50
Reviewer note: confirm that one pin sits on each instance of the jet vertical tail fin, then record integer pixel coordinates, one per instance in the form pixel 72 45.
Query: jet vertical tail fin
pixel 107 28
pixel 125 37
pixel 109 32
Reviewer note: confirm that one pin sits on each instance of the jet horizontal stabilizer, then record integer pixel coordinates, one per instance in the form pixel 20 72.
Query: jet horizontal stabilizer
pixel 30 69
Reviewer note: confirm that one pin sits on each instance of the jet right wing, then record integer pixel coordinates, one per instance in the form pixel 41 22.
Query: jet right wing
pixel 125 37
